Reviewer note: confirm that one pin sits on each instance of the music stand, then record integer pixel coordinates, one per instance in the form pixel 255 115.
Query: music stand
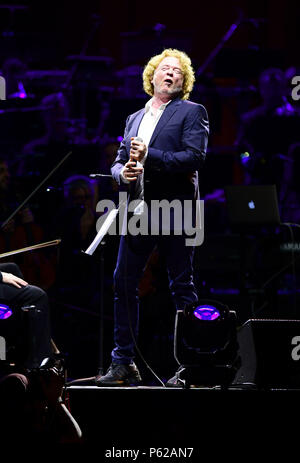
pixel 99 241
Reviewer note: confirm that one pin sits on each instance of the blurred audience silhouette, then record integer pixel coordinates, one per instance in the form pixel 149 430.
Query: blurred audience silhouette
pixel 33 410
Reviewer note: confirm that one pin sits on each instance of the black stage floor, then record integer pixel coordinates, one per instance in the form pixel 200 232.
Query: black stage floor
pixel 118 419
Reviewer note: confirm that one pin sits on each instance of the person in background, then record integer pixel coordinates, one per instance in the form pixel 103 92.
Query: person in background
pixel 30 307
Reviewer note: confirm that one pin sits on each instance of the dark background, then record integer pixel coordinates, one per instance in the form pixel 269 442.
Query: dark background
pixel 98 93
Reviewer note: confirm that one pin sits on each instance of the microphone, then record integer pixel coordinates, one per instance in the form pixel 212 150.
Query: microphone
pixel 137 139
pixel 138 179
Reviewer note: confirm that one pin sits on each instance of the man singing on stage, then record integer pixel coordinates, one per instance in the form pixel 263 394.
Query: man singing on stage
pixel 164 146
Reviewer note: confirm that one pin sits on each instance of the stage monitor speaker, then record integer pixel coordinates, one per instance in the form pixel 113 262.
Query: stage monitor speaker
pixel 269 351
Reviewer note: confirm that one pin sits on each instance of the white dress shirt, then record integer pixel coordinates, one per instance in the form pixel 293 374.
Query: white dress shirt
pixel 145 131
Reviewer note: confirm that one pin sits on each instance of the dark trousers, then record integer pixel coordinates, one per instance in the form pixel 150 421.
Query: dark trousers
pixel 134 252
pixel 37 338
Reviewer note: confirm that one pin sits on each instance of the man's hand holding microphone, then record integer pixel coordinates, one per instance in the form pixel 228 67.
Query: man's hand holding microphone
pixel 138 150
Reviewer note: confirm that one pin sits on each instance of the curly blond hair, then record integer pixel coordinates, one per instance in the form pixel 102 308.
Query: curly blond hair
pixel 188 72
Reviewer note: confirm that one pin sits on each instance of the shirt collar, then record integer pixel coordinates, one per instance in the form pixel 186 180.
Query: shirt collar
pixel 149 104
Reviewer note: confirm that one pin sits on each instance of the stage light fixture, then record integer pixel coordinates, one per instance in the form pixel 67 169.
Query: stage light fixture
pixel 206 312
pixel 5 312
pixel 205 343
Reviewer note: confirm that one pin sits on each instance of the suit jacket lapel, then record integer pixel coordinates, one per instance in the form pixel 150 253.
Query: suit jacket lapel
pixel 136 123
pixel 135 127
pixel 165 117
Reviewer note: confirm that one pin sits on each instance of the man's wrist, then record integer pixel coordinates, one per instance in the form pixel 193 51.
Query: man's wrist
pixel 122 176
pixel 143 160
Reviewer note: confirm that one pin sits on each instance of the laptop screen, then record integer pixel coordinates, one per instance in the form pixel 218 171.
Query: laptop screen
pixel 252 204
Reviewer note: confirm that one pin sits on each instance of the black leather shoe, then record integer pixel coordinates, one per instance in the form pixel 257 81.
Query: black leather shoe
pixel 120 375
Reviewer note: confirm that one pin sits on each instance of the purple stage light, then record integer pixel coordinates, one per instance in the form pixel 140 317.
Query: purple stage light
pixel 5 312
pixel 206 312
